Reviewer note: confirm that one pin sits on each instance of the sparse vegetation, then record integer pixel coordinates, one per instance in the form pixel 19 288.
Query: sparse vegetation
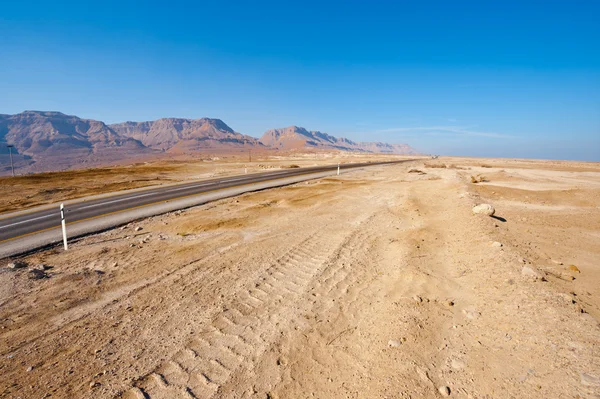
pixel 436 165
pixel 478 179
pixel 27 191
pixel 416 171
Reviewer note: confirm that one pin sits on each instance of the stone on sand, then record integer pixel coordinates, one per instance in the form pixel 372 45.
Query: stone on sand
pixel 457 364
pixel 574 268
pixel 589 380
pixel 471 313
pixel 484 209
pixel 18 264
pixel 496 244
pixel 444 390
pixel 530 273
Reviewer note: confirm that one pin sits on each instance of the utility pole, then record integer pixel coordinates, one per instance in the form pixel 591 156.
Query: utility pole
pixel 12 167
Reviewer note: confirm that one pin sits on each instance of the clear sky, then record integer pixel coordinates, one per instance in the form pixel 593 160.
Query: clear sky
pixel 481 78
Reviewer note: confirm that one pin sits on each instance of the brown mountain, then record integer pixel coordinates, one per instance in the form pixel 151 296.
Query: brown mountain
pixel 185 135
pixel 294 137
pixel 51 141
pixel 55 141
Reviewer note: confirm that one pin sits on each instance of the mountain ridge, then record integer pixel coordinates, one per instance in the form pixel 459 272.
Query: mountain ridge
pixel 296 137
pixel 53 141
pixel 183 135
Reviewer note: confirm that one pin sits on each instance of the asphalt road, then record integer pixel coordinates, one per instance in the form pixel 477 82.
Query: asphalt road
pixel 42 220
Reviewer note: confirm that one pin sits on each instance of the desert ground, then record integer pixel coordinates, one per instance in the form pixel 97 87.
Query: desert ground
pixel 379 283
pixel 31 190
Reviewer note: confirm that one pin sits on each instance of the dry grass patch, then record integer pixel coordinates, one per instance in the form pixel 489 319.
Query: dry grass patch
pixel 436 165
pixel 27 191
pixel 478 179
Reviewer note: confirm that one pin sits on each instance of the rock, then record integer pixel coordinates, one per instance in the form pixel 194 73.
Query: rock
pixel 42 267
pixel 139 228
pixel 566 297
pixel 484 209
pixel 530 273
pixel 18 264
pixel 394 343
pixel 574 269
pixel 37 274
pixel 417 299
pixel 457 364
pixel 30 368
pixel 471 313
pixel 567 276
pixel 444 390
pixel 556 262
pixel 589 380
pixel 496 244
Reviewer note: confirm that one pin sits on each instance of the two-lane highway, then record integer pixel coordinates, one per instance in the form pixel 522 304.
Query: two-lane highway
pixel 37 221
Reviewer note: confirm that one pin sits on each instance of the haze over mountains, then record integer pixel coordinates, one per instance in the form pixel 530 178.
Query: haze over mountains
pixel 294 137
pixel 51 141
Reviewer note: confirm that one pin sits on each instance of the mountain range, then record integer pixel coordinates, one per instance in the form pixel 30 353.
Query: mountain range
pixel 50 141
pixel 294 137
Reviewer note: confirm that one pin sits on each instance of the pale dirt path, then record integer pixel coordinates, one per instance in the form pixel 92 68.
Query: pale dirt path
pixel 376 284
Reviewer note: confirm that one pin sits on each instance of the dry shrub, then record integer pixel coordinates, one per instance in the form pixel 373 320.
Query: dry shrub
pixel 293 166
pixel 435 165
pixel 452 166
pixel 416 171
pixel 478 179
pixel 486 166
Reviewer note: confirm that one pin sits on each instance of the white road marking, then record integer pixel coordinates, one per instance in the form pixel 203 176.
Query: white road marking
pixel 117 200
pixel 143 195
pixel 228 180
pixel 28 220
pixel 197 185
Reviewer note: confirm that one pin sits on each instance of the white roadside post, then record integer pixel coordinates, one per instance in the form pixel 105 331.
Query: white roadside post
pixel 64 227
pixel 338 169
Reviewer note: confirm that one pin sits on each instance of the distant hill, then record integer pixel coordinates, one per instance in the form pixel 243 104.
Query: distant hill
pixel 55 141
pixel 52 141
pixel 185 135
pixel 294 137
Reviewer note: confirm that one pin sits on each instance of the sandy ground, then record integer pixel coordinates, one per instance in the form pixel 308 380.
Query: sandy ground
pixel 376 284
pixel 27 191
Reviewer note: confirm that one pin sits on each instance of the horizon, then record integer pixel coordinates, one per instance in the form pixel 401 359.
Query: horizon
pixel 510 81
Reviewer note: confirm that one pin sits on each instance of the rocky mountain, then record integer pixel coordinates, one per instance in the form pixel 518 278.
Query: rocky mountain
pixel 294 137
pixel 52 141
pixel 185 135
pixel 55 141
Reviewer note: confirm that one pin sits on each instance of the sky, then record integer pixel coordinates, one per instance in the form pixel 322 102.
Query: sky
pixel 476 78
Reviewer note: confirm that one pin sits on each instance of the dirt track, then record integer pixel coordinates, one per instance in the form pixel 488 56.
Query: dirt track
pixel 379 283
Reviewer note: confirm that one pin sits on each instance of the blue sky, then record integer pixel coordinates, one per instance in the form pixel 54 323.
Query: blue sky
pixel 479 78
